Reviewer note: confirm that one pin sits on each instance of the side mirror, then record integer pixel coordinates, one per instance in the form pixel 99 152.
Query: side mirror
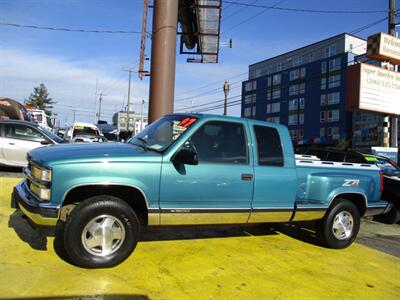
pixel 45 142
pixel 185 156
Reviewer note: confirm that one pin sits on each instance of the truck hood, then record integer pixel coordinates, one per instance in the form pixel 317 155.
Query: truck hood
pixel 90 152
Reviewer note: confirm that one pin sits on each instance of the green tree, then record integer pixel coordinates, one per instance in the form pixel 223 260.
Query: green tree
pixel 40 99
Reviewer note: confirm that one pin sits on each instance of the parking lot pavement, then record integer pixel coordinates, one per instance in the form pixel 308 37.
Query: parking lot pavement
pixel 200 263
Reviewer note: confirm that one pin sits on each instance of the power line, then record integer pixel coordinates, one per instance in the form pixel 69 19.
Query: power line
pixel 358 30
pixel 308 10
pixel 253 16
pixel 70 29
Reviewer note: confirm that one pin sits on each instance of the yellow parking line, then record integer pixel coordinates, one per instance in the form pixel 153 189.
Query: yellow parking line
pixel 269 265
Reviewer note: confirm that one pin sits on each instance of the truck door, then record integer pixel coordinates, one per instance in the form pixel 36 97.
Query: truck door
pixel 276 177
pixel 218 190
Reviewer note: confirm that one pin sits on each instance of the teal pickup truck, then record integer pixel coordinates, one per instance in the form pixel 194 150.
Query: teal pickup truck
pixel 190 169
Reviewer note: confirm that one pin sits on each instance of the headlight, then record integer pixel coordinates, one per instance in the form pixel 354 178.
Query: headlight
pixel 41 192
pixel 41 174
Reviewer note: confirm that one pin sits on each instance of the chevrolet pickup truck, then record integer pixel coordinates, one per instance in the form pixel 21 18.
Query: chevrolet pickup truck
pixel 190 169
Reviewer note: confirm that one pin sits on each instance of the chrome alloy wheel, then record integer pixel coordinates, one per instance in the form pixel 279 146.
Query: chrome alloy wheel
pixel 103 235
pixel 342 226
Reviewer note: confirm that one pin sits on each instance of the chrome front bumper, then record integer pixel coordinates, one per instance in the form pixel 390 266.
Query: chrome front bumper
pixel 37 212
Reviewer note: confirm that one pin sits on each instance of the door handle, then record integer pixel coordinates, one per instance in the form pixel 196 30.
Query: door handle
pixel 12 144
pixel 247 177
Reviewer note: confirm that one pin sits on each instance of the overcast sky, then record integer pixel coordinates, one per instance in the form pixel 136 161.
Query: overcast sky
pixel 69 63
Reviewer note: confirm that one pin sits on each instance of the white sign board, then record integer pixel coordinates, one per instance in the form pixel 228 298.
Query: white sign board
pixel 379 90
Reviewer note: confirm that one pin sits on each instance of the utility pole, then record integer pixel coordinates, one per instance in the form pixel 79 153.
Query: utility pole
pixel 128 108
pixel 74 111
pixel 100 99
pixel 163 57
pixel 141 115
pixel 95 100
pixel 392 31
pixel 226 89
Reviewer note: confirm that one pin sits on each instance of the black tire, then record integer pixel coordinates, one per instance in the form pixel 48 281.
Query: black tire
pixel 326 232
pixel 391 217
pixel 96 211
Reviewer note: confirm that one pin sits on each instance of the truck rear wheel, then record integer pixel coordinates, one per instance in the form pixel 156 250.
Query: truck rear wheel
pixel 100 232
pixel 340 226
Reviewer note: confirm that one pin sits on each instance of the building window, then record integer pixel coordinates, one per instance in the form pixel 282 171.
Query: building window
pixel 333 115
pixel 297 73
pixel 323 83
pixel 250 86
pixel 293 104
pixel 276 93
pixel 330 50
pixel 280 66
pixel 311 56
pixel 301 119
pixel 297 61
pixel 322 132
pixel 273 120
pixel 274 107
pixel 302 103
pixel 323 67
pixel 292 119
pixel 276 79
pixel 250 98
pixel 330 99
pixel 334 81
pixel 332 133
pixel 250 112
pixel 322 116
pixel 297 89
pixel 335 64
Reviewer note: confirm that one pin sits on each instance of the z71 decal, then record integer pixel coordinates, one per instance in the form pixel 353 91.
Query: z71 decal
pixel 351 182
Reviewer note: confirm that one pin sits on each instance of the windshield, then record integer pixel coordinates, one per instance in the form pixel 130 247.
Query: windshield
pixel 53 136
pixel 162 133
pixel 85 130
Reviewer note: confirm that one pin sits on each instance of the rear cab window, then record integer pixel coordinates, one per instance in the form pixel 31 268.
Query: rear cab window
pixel 269 146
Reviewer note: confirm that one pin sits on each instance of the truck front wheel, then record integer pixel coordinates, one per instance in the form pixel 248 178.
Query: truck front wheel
pixel 101 232
pixel 340 226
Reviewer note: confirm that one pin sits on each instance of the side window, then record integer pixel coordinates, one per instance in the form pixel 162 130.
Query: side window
pixel 269 146
pixel 333 156
pixel 220 142
pixel 22 132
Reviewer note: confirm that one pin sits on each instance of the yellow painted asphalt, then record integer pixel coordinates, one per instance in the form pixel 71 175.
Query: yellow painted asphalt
pixel 238 263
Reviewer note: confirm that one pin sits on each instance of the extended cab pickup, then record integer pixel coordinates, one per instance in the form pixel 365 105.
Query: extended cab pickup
pixel 190 170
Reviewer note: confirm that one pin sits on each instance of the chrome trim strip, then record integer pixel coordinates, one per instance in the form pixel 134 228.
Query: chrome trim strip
pixel 270 216
pixel 341 193
pixel 203 218
pixel 308 215
pixel 106 183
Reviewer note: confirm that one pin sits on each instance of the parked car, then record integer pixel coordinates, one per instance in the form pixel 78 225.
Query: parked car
pixel 390 171
pixel 17 138
pixel 190 169
pixel 83 132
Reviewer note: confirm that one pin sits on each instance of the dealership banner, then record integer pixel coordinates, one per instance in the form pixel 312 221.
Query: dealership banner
pixel 373 89
pixel 384 47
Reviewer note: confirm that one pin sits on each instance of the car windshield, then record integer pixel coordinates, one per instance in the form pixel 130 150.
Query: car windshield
pixel 53 136
pixel 85 130
pixel 163 133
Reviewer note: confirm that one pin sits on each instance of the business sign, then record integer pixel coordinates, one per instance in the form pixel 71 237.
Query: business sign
pixel 373 89
pixel 384 47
